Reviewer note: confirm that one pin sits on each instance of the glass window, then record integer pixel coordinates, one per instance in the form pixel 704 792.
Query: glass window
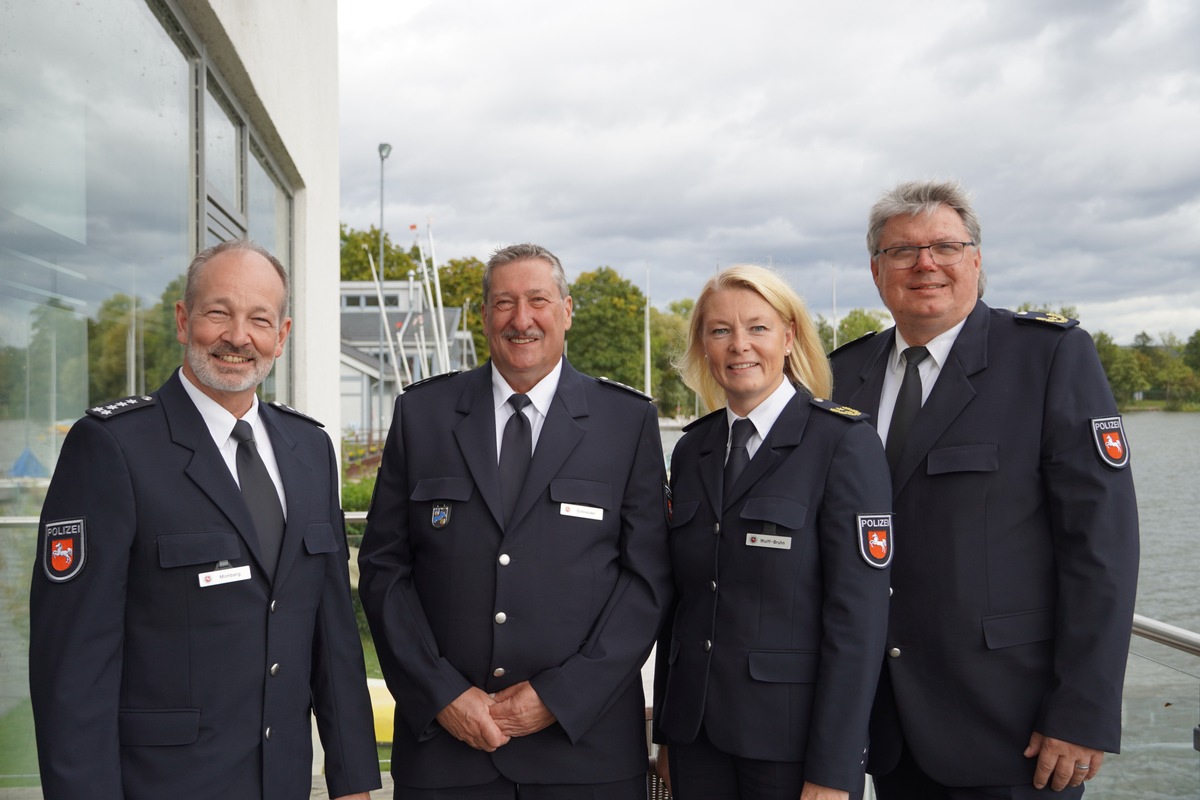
pixel 222 150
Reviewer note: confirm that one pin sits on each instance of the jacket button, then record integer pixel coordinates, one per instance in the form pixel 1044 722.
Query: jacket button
pixel 891 591
pixel 274 670
pixel 894 652
pixel 501 617
pixel 716 529
pixel 504 559
pixel 712 585
pixel 267 733
pixel 498 672
pixel 272 606
pixel 707 645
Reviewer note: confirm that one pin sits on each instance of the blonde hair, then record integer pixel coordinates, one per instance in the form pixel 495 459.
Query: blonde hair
pixel 806 366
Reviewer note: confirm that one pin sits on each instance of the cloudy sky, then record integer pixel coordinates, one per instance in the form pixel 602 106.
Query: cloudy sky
pixel 677 136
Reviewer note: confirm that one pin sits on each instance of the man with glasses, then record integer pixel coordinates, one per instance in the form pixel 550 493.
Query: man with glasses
pixel 1017 534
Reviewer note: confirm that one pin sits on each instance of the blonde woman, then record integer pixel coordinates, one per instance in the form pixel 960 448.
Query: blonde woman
pixel 780 545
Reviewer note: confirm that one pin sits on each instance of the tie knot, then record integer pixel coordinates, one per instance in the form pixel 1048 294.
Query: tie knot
pixel 915 355
pixel 518 401
pixel 743 429
pixel 243 432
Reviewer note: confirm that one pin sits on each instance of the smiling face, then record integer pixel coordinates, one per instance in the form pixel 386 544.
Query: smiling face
pixel 927 300
pixel 745 344
pixel 234 330
pixel 526 319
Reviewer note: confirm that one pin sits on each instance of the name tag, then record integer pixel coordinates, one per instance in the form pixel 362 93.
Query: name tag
pixel 765 540
pixel 583 512
pixel 219 576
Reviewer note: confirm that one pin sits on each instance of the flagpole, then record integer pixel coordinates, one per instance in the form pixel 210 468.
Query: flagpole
pixel 440 318
pixel 646 333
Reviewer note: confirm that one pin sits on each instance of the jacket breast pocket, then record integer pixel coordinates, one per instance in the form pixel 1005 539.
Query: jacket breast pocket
pixel 582 492
pixel 442 489
pixel 320 538
pixel 198 547
pixel 779 511
pixel 784 666
pixel 158 727
pixel 964 458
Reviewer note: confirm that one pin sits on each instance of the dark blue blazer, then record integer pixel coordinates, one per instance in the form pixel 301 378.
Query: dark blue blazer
pixel 776 651
pixel 1015 579
pixel 583 597
pixel 147 685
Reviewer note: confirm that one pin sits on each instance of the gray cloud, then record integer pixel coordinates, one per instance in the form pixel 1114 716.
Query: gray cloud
pixel 679 136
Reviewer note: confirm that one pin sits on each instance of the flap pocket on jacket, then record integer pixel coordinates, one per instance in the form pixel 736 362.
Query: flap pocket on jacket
pixel 964 458
pixel 784 666
pixel 581 492
pixel 1009 630
pixel 319 538
pixel 780 510
pixel 198 547
pixel 681 513
pixel 442 489
pixel 154 727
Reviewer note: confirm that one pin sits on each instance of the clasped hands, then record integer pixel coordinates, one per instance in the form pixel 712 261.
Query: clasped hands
pixel 487 722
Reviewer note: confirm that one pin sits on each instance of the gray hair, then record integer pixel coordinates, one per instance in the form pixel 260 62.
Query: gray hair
pixel 924 197
pixel 524 252
pixel 209 253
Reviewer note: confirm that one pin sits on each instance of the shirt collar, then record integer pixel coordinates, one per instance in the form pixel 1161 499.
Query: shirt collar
pixel 938 347
pixel 765 413
pixel 541 395
pixel 216 417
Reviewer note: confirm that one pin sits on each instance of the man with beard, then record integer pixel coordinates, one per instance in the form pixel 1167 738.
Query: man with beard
pixel 515 567
pixel 191 603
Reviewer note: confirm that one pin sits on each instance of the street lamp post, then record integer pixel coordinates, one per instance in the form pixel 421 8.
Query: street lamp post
pixel 385 150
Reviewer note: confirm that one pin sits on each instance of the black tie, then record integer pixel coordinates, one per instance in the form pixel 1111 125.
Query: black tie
pixel 261 496
pixel 739 456
pixel 908 403
pixel 516 451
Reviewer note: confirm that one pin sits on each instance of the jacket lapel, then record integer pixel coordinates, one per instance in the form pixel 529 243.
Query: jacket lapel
pixel 476 437
pixel 711 462
pixel 785 435
pixel 951 394
pixel 561 432
pixel 207 469
pixel 298 487
pixel 866 397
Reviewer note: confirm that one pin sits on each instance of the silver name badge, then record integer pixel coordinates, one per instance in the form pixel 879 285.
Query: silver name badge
pixel 766 540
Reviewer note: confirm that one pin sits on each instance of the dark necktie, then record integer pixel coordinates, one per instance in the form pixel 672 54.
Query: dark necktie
pixel 908 403
pixel 739 456
pixel 261 496
pixel 516 451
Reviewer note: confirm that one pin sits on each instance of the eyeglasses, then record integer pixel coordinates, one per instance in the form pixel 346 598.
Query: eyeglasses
pixel 944 254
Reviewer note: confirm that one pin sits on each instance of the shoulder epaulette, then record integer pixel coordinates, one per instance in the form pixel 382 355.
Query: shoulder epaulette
pixel 282 407
pixel 431 379
pixel 696 422
pixel 113 408
pixel 1046 318
pixel 837 408
pixel 619 385
pixel 852 342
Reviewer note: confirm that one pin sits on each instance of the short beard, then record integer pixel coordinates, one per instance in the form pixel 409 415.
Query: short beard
pixel 212 376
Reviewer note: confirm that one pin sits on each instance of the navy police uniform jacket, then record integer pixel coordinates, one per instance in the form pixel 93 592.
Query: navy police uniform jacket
pixel 781 605
pixel 1014 583
pixel 570 599
pixel 148 684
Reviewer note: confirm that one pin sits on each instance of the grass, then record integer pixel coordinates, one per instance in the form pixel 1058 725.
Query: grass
pixel 18 752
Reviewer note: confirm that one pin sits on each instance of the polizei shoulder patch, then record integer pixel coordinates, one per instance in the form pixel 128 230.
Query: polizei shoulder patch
pixel 64 548
pixel 875 539
pixel 1109 435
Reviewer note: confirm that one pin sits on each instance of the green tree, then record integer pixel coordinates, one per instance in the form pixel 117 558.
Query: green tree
pixel 668 339
pixel 606 333
pixel 1125 376
pixel 462 282
pixel 825 331
pixel 356 266
pixel 1191 352
pixel 859 322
